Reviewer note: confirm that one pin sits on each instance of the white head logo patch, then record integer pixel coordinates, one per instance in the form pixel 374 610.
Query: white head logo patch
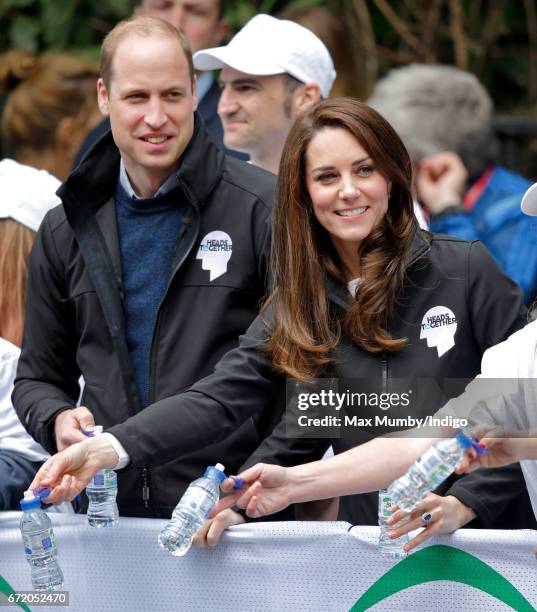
pixel 438 327
pixel 215 251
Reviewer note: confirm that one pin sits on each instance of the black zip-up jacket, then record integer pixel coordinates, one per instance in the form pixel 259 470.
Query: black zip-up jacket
pixel 487 306
pixel 441 271
pixel 75 279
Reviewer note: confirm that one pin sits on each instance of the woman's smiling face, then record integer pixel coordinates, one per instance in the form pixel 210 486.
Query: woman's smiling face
pixel 348 192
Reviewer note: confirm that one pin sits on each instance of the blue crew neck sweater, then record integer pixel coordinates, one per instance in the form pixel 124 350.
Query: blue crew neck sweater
pixel 147 233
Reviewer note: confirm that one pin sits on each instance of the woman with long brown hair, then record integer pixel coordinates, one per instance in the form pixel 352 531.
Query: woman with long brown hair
pixel 25 196
pixel 358 292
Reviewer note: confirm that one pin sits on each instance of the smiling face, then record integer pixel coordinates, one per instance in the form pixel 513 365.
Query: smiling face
pixel 151 105
pixel 348 192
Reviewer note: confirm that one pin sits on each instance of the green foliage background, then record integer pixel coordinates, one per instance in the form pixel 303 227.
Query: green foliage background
pixel 496 39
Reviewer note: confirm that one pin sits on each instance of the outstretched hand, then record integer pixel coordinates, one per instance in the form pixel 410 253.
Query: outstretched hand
pixel 503 447
pixel 267 490
pixel 67 473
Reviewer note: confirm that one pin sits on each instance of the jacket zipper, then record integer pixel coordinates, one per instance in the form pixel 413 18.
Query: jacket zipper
pixel 145 487
pixel 384 363
pixel 172 276
pixel 145 471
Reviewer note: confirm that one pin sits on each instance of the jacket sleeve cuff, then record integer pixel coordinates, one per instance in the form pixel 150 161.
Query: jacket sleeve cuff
pixel 128 443
pixel 124 458
pixel 48 411
pixel 472 501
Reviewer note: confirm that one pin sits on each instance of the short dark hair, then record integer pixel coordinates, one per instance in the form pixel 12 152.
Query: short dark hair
pixel 141 26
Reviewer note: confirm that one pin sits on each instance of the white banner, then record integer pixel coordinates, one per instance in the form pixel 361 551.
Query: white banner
pixel 278 566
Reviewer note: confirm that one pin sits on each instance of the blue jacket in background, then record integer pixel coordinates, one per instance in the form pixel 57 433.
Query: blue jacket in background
pixel 496 220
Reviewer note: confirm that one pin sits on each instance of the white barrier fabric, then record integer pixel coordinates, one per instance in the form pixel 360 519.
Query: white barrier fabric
pixel 278 566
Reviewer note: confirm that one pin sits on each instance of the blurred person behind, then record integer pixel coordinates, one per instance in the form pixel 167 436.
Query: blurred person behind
pixel 442 109
pixel 50 105
pixel 27 194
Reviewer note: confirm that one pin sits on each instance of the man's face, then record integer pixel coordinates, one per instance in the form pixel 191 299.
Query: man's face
pixel 254 110
pixel 199 20
pixel 151 106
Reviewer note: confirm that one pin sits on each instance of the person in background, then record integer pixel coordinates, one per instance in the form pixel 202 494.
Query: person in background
pixel 27 194
pixel 265 86
pixel 445 110
pixel 354 281
pixel 204 24
pixel 148 273
pixel 49 108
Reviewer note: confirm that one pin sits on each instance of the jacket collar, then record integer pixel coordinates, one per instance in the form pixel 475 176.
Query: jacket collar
pixel 420 246
pixel 94 180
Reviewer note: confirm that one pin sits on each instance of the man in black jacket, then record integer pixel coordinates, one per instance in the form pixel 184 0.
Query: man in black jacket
pixel 204 24
pixel 150 270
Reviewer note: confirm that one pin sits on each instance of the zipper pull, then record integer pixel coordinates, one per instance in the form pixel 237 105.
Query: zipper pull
pixel 145 488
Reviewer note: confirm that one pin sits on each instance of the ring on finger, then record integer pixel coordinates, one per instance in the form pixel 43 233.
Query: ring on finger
pixel 426 517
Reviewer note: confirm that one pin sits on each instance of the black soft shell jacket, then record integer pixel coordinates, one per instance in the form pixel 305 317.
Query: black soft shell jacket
pixel 441 271
pixel 74 318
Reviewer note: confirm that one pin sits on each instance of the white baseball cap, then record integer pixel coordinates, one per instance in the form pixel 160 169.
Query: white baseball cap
pixel 26 194
pixel 267 45
pixel 529 201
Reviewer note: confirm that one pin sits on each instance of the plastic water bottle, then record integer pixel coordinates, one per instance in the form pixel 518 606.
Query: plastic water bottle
pixel 192 511
pixel 39 543
pixel 102 494
pixel 387 547
pixel 430 470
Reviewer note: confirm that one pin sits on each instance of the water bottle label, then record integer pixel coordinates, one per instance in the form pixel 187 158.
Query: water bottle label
pixel 197 500
pixel 38 542
pixel 434 469
pixel 386 503
pixel 105 478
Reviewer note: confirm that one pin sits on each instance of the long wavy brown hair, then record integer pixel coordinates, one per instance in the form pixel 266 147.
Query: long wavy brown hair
pixel 15 245
pixel 306 330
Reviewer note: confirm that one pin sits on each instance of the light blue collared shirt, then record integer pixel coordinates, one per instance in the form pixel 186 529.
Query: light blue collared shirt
pixel 203 84
pixel 170 183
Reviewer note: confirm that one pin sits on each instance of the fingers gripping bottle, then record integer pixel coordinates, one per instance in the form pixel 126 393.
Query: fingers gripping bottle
pixel 430 470
pixel 39 543
pixel 387 547
pixel 192 511
pixel 102 494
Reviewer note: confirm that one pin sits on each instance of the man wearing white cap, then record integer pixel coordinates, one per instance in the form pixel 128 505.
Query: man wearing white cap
pixel 272 70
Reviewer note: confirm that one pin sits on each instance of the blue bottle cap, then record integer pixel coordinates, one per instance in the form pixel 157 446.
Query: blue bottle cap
pixel 31 500
pixel 238 483
pixel 466 442
pixel 216 470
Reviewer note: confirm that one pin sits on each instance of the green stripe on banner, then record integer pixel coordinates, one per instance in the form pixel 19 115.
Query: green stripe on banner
pixel 7 590
pixel 440 562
